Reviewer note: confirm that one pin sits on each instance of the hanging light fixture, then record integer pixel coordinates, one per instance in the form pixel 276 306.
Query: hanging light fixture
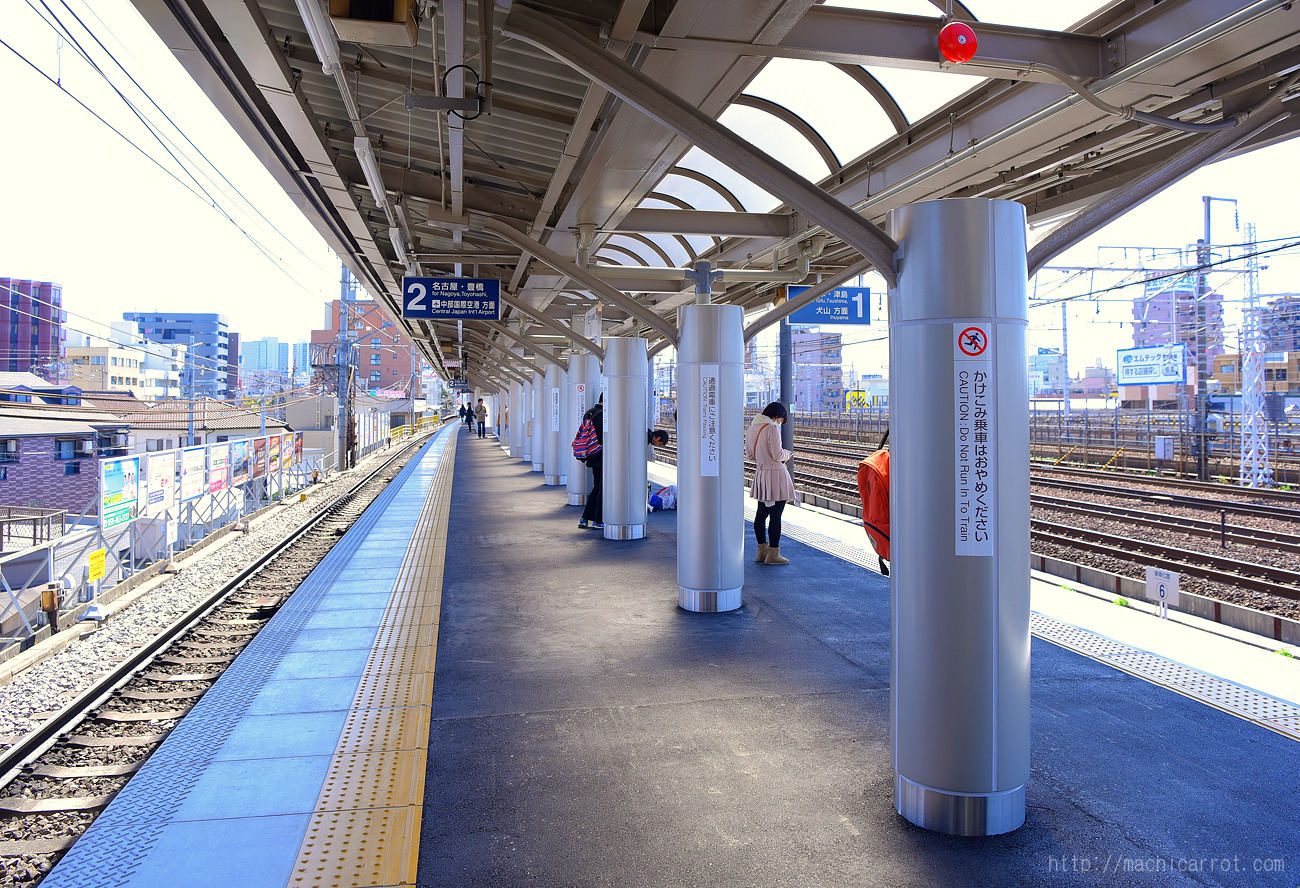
pixel 320 34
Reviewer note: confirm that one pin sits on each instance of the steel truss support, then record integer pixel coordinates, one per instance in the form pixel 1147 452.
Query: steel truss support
pixel 553 325
pixel 642 313
pixel 699 129
pixel 1187 161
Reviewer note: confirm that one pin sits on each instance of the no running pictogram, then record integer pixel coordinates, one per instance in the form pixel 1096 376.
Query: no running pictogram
pixel 972 341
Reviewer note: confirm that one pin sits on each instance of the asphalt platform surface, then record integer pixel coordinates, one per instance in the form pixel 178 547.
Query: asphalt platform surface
pixel 588 732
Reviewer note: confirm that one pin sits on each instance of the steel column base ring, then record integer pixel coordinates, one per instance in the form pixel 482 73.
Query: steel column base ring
pixel 537 467
pixel 554 480
pixel 959 814
pixel 624 531
pixel 577 499
pixel 708 601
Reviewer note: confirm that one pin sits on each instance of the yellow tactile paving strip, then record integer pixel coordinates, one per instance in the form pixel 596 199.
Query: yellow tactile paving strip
pixel 366 828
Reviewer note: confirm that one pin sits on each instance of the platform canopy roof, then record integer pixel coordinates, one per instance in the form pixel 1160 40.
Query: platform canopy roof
pixel 584 152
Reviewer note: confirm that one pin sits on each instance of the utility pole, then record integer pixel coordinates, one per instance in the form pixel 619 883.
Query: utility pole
pixel 1202 343
pixel 1065 360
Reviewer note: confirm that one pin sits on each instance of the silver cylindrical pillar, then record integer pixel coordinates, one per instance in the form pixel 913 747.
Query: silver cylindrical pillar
pixel 959 495
pixel 624 438
pixel 582 369
pixel 526 414
pixel 535 415
pixel 517 420
pixel 710 457
pixel 554 468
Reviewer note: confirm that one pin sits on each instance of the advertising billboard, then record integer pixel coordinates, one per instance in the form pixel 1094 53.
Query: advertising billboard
pixel 273 454
pixel 161 493
pixel 121 497
pixel 286 450
pixel 1151 366
pixel 218 467
pixel 259 457
pixel 241 469
pixel 194 473
pixel 297 449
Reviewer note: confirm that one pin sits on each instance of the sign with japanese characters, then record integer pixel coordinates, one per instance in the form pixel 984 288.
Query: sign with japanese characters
pixel 843 305
pixel 1151 366
pixel 162 482
pixel 709 456
pixel 121 495
pixel 470 299
pixel 975 460
pixel 194 473
pixel 218 467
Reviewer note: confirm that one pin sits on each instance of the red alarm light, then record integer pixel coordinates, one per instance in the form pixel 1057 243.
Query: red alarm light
pixel 957 42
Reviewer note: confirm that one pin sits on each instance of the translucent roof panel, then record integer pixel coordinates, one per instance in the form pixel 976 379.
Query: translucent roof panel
pixel 903 7
pixel 920 92
pixel 751 197
pixel 778 138
pixel 842 112
pixel 1059 15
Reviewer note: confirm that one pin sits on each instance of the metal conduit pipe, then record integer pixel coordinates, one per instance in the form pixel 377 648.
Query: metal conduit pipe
pixel 1127 112
pixel 1187 44
pixel 728 275
pixel 1093 217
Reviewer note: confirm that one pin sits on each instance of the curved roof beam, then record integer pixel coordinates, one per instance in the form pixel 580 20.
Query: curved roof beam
pixel 801 126
pixel 659 251
pixel 959 11
pixel 636 259
pixel 526 341
pixel 690 123
pixel 604 291
pixel 877 91
pixel 550 323
pixel 708 182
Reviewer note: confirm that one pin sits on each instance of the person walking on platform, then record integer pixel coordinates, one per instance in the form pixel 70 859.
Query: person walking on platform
pixel 469 415
pixel 772 484
pixel 461 412
pixel 480 412
pixel 593 514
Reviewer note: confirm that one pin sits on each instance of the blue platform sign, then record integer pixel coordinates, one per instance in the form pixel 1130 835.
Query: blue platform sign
pixel 843 305
pixel 451 299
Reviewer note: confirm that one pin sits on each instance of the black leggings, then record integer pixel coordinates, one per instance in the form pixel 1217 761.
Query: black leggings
pixel 767 523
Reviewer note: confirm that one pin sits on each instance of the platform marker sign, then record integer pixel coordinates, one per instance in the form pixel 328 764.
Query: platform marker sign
pixel 974 422
pixel 451 299
pixel 1162 588
pixel 843 305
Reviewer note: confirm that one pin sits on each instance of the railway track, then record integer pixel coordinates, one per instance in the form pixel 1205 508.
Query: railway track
pixel 835 480
pixel 1207 566
pixel 55 779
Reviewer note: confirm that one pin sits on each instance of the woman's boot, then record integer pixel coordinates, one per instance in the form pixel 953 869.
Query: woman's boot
pixel 774 556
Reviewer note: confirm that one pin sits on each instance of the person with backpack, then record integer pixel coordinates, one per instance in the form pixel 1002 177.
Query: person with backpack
pixel 873 487
pixel 772 484
pixel 593 513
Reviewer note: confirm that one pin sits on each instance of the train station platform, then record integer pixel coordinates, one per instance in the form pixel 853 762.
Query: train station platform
pixel 585 731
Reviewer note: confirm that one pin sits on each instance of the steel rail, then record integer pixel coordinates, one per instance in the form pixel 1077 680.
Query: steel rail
pixel 37 741
pixel 1261 577
pixel 1233 533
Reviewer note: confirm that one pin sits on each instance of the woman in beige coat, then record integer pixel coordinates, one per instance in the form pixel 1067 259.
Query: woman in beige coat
pixel 772 482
